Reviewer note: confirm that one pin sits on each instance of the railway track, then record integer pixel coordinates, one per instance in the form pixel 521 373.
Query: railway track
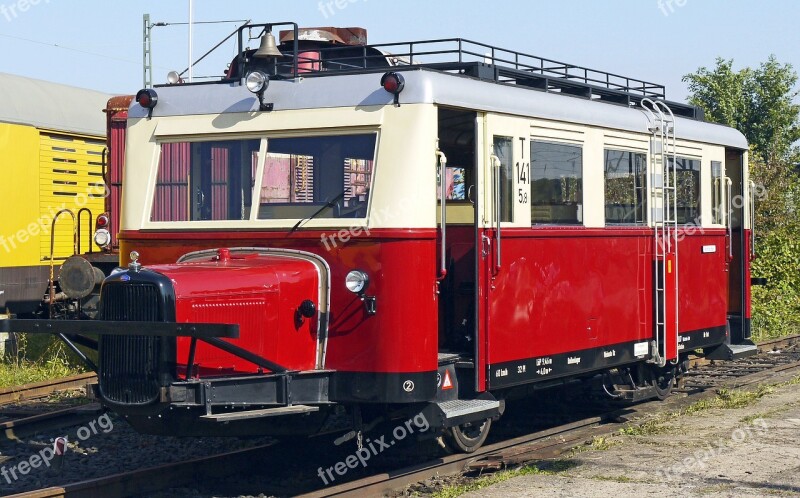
pixel 536 447
pixel 21 415
pixel 778 358
pixel 154 479
pixel 19 425
pixel 43 389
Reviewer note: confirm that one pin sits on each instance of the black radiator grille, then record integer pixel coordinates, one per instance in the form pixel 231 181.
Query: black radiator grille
pixel 129 365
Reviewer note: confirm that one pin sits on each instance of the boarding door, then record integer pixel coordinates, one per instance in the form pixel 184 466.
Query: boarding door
pixel 503 210
pixel 741 243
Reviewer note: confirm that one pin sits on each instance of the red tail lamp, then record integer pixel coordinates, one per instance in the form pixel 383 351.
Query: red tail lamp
pixel 394 83
pixel 102 221
pixel 147 98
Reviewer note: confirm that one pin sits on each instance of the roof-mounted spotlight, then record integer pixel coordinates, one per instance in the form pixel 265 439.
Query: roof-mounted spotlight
pixel 147 98
pixel 394 83
pixel 258 82
pixel 174 78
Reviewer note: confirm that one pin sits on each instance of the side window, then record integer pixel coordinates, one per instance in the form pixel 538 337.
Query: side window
pixel 688 190
pixel 625 187
pixel 504 150
pixel 327 175
pixel 205 181
pixel 717 193
pixel 557 183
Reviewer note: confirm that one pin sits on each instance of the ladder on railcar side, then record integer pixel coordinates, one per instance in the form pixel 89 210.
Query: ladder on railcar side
pixel 664 216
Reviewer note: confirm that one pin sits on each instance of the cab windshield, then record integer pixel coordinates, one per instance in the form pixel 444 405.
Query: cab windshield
pixel 265 179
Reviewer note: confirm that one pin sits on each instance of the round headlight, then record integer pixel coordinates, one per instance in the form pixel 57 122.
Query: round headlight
pixel 102 237
pixel 257 82
pixel 356 281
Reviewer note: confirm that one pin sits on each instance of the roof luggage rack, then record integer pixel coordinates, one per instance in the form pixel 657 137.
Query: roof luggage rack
pixel 311 58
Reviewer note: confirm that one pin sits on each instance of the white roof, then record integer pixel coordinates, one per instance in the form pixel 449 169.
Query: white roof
pixel 425 87
pixel 51 105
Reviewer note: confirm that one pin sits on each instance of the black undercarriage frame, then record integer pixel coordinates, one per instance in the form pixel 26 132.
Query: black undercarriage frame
pixel 280 388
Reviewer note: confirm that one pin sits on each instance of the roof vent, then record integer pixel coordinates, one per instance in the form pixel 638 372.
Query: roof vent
pixel 355 37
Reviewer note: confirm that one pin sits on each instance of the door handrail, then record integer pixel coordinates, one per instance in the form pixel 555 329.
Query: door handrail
pixel 442 166
pixel 496 165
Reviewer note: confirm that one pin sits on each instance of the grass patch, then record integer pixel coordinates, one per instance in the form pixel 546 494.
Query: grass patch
pixel 727 399
pixel 543 468
pixel 619 479
pixel 597 443
pixel 763 415
pixel 791 382
pixel 36 362
pixel 652 427
pixel 716 489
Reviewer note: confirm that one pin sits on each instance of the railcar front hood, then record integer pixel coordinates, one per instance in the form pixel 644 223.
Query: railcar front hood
pixel 278 298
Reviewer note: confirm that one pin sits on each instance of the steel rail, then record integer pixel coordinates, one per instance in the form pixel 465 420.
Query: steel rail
pixel 45 388
pixel 520 450
pixel 533 447
pixel 144 481
pixel 34 424
pixel 768 345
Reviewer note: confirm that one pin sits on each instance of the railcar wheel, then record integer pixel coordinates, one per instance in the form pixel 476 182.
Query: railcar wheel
pixel 662 379
pixel 467 437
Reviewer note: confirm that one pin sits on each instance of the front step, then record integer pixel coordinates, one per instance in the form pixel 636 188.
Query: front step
pixel 269 412
pixel 728 352
pixel 459 411
pixel 636 395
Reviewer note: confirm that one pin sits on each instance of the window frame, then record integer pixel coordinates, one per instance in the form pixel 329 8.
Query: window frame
pixel 260 178
pixel 718 193
pixel 581 202
pixel 253 220
pixel 646 186
pixel 698 206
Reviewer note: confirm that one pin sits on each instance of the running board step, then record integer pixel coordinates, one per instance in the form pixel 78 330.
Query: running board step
pixel 728 352
pixel 459 411
pixel 269 412
pixel 636 395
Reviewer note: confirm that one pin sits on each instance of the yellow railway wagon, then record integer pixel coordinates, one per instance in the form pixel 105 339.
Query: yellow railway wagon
pixel 52 146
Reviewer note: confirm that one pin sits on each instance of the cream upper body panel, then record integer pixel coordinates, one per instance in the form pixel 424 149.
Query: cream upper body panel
pixel 405 160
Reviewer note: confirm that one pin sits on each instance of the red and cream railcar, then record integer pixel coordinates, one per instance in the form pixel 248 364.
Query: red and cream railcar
pixel 330 226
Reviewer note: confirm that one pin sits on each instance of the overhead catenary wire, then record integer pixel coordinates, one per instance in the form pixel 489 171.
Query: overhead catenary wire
pixel 71 49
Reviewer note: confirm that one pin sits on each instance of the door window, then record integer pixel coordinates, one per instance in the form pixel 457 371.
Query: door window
pixel 504 150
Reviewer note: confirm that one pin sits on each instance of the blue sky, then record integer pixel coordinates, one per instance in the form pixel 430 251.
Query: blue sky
pixel 100 42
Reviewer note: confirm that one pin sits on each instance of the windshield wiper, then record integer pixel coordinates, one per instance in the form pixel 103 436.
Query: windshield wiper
pixel 331 203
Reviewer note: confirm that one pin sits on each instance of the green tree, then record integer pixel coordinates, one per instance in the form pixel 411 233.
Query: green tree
pixel 721 93
pixel 758 102
pixel 761 104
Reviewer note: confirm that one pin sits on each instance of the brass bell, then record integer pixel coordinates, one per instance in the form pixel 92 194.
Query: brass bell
pixel 268 47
